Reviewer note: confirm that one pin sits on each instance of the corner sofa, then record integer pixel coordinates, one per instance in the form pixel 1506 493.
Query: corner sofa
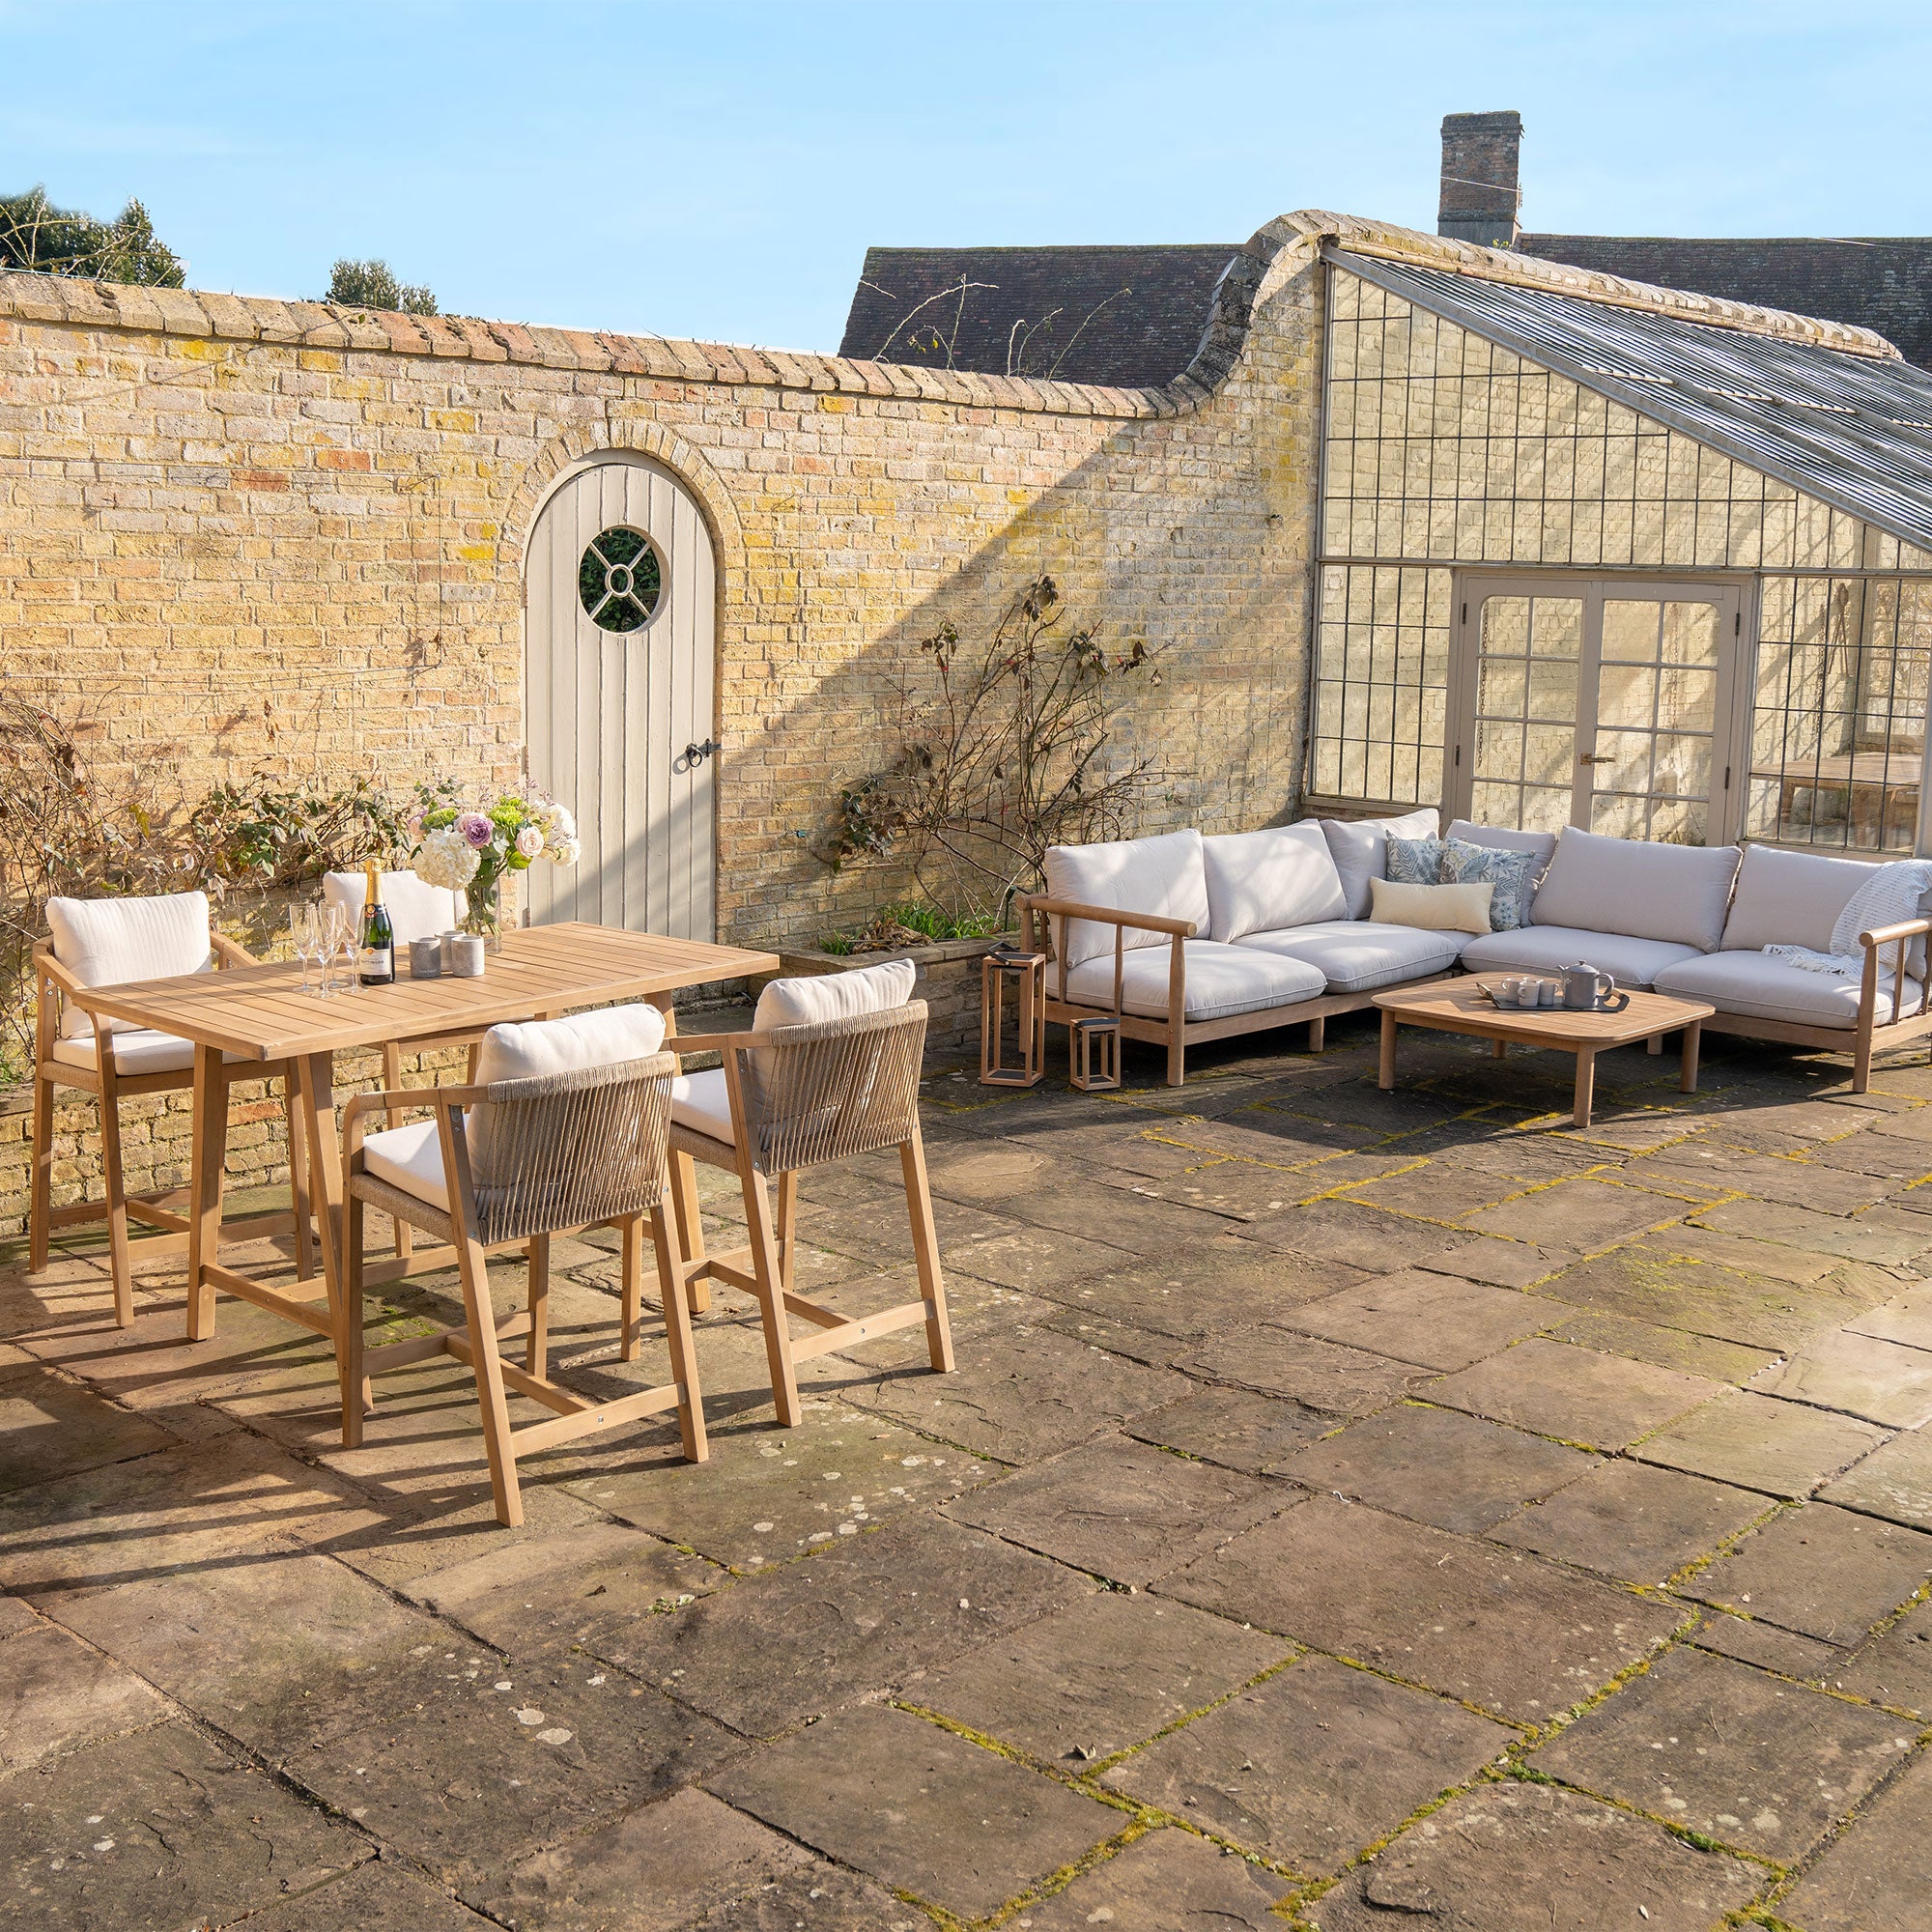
pixel 1185 939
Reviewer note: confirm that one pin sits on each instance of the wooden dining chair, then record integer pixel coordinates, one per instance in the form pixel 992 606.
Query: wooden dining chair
pixel 99 943
pixel 506 1164
pixel 786 1100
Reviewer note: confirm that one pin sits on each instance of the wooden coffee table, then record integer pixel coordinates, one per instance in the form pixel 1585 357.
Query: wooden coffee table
pixel 1458 1005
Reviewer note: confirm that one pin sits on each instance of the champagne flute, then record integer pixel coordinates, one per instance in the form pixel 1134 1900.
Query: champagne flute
pixel 301 935
pixel 328 937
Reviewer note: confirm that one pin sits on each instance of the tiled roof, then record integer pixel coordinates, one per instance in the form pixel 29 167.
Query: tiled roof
pixel 1129 316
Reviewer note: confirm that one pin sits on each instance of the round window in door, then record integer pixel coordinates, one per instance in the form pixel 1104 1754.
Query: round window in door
pixel 620 579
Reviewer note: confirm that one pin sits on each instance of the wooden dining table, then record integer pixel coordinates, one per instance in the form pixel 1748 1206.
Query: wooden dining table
pixel 261 1012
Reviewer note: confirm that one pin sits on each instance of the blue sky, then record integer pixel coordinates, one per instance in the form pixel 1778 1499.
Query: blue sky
pixel 716 170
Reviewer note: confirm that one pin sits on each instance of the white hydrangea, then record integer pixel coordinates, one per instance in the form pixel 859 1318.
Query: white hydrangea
pixel 448 859
pixel 529 841
pixel 566 851
pixel 558 825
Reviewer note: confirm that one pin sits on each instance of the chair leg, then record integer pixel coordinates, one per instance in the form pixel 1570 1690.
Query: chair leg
pixel 392 1078
pixel 119 1263
pixel 633 1282
pixel 678 1332
pixel 358 1397
pixel 41 1211
pixel 537 1357
pixel 926 1253
pixel 206 1179
pixel 770 1295
pixel 488 1367
pixel 787 1227
pixel 297 1180
pixel 1176 1058
pixel 690 1230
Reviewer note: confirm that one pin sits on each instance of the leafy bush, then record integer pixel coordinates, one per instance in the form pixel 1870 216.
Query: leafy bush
pixel 372 284
pixel 36 235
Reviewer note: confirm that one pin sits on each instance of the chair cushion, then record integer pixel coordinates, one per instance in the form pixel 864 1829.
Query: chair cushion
pixel 137 1050
pixel 1356 955
pixel 1674 893
pixel 702 1103
pixel 1790 899
pixel 1262 881
pixel 409 1157
pixel 538 1048
pixel 1509 871
pixel 1222 981
pixel 1549 948
pixel 1755 987
pixel 109 942
pixel 1163 877
pixel 418 910
pixel 1359 847
pixel 815 997
pixel 1430 908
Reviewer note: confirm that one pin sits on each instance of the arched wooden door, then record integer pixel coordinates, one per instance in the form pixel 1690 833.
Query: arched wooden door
pixel 619 600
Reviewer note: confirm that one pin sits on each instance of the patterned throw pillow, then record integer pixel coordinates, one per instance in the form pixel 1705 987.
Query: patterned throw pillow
pixel 1510 872
pixel 1415 861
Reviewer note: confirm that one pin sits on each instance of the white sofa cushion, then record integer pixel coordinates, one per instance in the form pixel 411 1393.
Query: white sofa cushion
pixel 137 1050
pixel 1163 877
pixel 1627 886
pixel 1790 899
pixel 1755 987
pixel 1222 981
pixel 536 1049
pixel 418 910
pixel 1549 948
pixel 815 997
pixel 702 1103
pixel 409 1157
pixel 1262 881
pixel 1356 955
pixel 110 942
pixel 1359 847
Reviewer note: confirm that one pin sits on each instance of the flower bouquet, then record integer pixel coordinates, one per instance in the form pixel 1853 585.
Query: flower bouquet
pixel 470 849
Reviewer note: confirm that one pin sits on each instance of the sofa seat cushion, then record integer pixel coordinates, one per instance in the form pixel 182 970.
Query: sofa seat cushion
pixel 409 1157
pixel 1222 981
pixel 1675 893
pixel 137 1050
pixel 1755 987
pixel 1549 948
pixel 1356 955
pixel 702 1103
pixel 1164 877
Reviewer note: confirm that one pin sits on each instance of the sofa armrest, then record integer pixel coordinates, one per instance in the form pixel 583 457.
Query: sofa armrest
pixel 1899 936
pixel 1140 921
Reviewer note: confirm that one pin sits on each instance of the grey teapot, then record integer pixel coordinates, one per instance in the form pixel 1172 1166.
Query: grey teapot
pixel 1586 988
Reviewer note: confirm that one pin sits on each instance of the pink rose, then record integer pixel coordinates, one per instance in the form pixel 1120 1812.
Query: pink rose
pixel 476 828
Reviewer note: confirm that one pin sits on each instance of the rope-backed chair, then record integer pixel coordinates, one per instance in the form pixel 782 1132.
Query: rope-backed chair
pixel 98 943
pixel 786 1100
pixel 531 1158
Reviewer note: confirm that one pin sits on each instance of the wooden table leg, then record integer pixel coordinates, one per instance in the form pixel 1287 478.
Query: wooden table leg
pixel 317 1072
pixel 1385 1078
pixel 207 1156
pixel 1498 1047
pixel 1693 1039
pixel 1587 1084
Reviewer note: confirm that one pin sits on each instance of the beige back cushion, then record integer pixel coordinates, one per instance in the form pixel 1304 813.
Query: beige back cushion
pixel 833 995
pixel 1676 892
pixel 417 910
pixel 1464 908
pixel 110 942
pixel 1164 877
pixel 1266 881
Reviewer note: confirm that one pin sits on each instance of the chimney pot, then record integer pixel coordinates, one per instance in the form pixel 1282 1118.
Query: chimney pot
pixel 1479 177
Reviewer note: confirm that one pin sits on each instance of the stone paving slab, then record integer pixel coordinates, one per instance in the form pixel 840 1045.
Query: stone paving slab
pixel 1878 1876
pixel 1320 1375
pixel 1239 1431
pixel 1883 1382
pixel 1822 1571
pixel 50 1428
pixel 1761 1443
pixel 1438 1322
pixel 1348 1232
pixel 1578 1395
pixel 1107 1672
pixel 1906 1317
pixel 918 1809
pixel 1851 1241
pixel 1437 1465
pixel 1586 1215
pixel 1507 1630
pixel 1759 1765
pixel 1502 1264
pixel 1201 1292
pixel 819 1897
pixel 1312 1763
pixel 1894 1667
pixel 1522 1858
pixel 1666 1348
pixel 57 1693
pixel 1894 1481
pixel 1120 1509
pixel 1770 1648
pixel 1168 1881
pixel 375 1897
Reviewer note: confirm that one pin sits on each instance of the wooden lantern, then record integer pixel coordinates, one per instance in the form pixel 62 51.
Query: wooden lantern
pixel 1095 1045
pixel 1015 980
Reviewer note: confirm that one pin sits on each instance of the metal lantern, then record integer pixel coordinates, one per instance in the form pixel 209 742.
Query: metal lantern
pixel 1013 982
pixel 1095 1045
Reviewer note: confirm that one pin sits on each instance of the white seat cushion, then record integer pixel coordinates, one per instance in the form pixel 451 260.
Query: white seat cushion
pixel 1163 877
pixel 418 910
pixel 110 942
pixel 410 1158
pixel 137 1050
pixel 1755 987
pixel 812 998
pixel 1674 893
pixel 1359 847
pixel 1222 981
pixel 1549 948
pixel 702 1103
pixel 1356 955
pixel 1262 881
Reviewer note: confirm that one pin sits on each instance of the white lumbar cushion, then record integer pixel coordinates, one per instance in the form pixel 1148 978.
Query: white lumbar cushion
pixel 1790 899
pixel 537 1049
pixel 1163 877
pixel 1628 886
pixel 1359 847
pixel 417 909
pixel 1267 881
pixel 812 998
pixel 110 942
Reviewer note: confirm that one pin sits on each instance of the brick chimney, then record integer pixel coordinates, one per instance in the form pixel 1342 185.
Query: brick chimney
pixel 1479 177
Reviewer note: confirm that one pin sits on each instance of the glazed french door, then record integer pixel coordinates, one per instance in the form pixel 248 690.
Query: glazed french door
pixel 1598 702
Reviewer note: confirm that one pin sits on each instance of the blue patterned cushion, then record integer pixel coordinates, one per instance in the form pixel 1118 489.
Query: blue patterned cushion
pixel 1414 862
pixel 1464 864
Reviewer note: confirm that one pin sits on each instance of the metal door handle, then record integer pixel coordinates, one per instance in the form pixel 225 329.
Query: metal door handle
pixel 1595 758
pixel 695 755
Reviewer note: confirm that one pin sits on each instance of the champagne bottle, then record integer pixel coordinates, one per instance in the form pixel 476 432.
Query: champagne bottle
pixel 377 964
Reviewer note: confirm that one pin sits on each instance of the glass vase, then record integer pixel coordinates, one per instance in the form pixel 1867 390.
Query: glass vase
pixel 483 918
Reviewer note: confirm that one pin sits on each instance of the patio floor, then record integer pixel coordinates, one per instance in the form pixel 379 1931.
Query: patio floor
pixel 1353 1510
